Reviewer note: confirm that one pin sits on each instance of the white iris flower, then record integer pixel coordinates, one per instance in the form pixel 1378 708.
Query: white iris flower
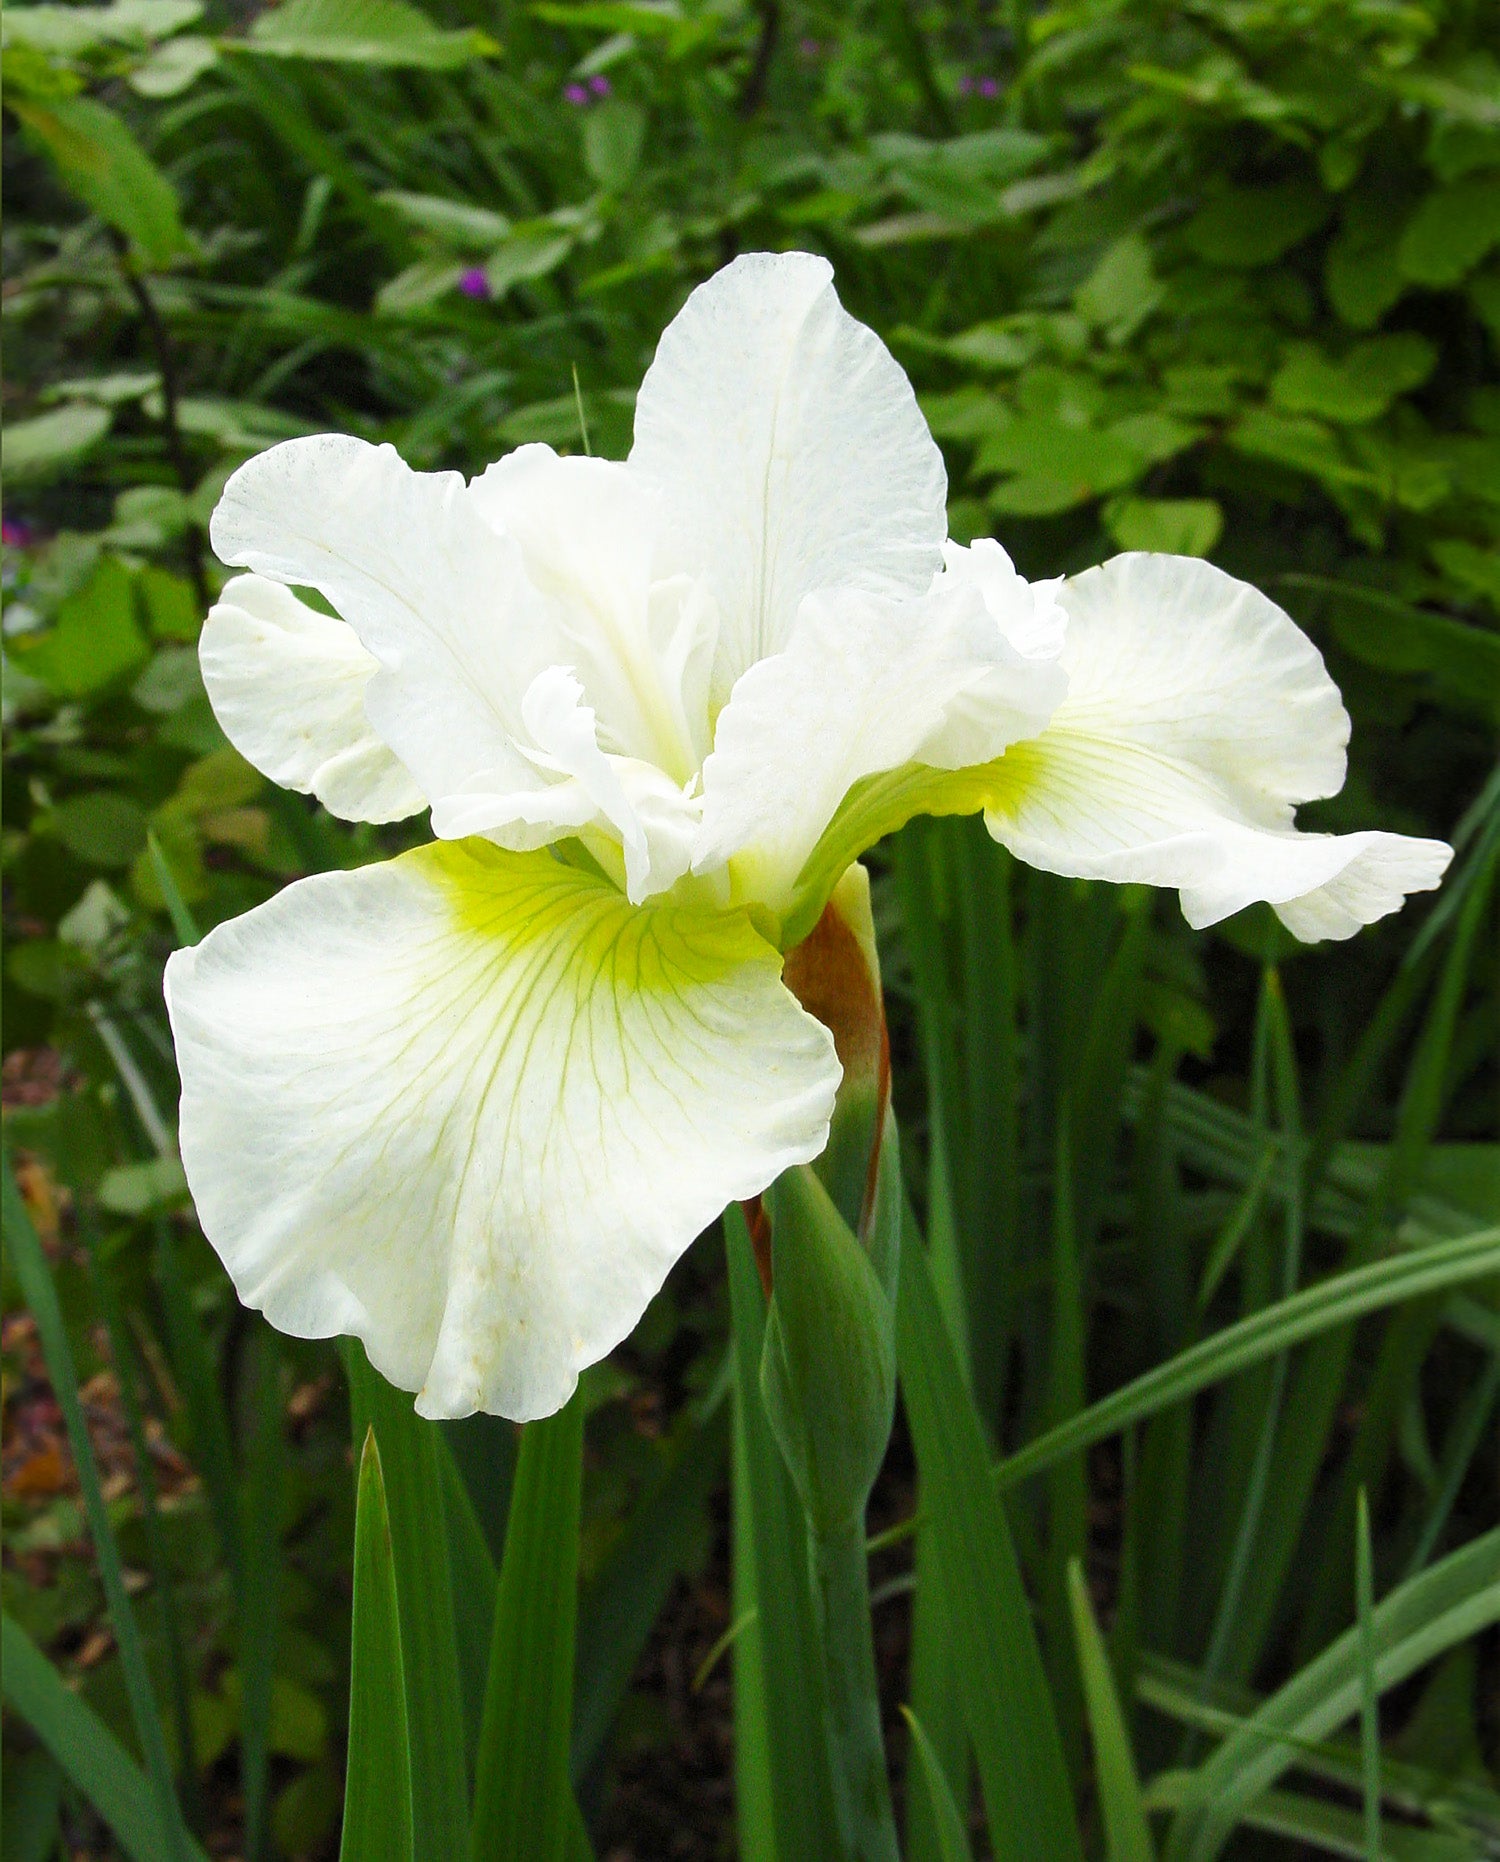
pixel 470 1104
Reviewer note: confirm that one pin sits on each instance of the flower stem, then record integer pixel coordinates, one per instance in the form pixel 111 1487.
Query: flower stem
pixel 856 1748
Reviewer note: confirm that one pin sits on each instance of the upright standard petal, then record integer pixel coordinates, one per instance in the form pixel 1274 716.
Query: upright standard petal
pixel 470 1106
pixel 1198 714
pixel 288 685
pixel 868 685
pixel 788 453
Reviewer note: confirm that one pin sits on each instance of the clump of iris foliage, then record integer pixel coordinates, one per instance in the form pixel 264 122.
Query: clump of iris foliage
pixel 1210 1217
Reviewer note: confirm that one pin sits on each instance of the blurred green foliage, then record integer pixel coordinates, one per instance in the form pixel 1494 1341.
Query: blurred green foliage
pixel 1220 278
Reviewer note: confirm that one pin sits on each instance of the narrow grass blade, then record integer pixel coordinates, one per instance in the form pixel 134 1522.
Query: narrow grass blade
pixel 410 1450
pixel 521 1792
pixel 785 1626
pixel 184 925
pixel 1256 1405
pixel 1369 1698
pixel 952 1838
pixel 196 1376
pixel 1118 1786
pixel 1458 1452
pixel 936 1703
pixel 31 1270
pixel 474 1585
pixel 617 1610
pixel 378 1782
pixel 93 1759
pixel 163 1582
pixel 260 1586
pixel 1336 1301
pixel 754 1805
pixel 1027 1794
pixel 1415 1792
pixel 1416 1622
pixel 1328 1829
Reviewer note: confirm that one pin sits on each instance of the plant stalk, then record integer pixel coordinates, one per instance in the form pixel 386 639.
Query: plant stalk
pixel 851 1714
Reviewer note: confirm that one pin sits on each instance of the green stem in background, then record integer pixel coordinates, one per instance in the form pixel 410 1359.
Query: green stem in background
pixel 856 1747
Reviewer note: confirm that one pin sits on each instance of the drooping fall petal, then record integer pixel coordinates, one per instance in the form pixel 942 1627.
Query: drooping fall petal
pixel 470 1106
pixel 1198 714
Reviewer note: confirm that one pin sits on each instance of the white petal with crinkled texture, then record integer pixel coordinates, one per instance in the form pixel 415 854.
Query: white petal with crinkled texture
pixel 866 684
pixel 787 451
pixel 585 528
pixel 470 1106
pixel 434 592
pixel 1198 714
pixel 288 686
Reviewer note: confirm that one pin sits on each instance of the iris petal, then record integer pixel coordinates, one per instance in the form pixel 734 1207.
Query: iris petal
pixel 470 1106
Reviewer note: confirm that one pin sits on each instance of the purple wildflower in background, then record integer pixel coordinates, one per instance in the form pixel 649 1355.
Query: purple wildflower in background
pixel 989 87
pixel 600 85
pixel 15 535
pixel 576 94
pixel 966 86
pixel 809 48
pixel 473 282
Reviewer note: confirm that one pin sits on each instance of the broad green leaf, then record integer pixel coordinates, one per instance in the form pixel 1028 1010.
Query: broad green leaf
pixel 418 285
pixel 174 67
pixel 378 1782
pixel 1175 526
pixel 1359 385
pixel 1122 290
pixel 68 31
pixel 1027 1793
pixel 48 442
pixel 1451 231
pixel 410 1455
pixel 94 639
pixel 94 1760
pixel 461 223
pixel 1116 1781
pixel 523 1802
pixel 101 826
pixel 29 1264
pixel 1416 1622
pixel 952 1836
pixel 1362 278
pixel 1475 570
pixel 135 1189
pixel 1254 226
pixel 1298 441
pixel 1057 464
pixel 390 33
pixel 101 161
pixel 613 135
pixel 528 254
